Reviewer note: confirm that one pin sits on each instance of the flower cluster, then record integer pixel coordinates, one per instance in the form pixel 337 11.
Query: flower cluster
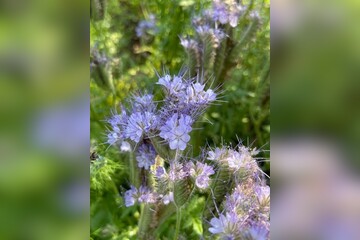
pixel 246 213
pixel 226 12
pixel 240 160
pixel 141 195
pixel 177 171
pixel 186 96
pixel 185 100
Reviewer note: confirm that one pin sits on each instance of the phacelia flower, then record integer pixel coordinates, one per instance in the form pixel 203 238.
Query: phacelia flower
pixel 144 103
pixel 226 225
pixel 146 196
pixel 196 95
pixel 113 137
pixel 140 123
pixel 201 173
pixel 145 156
pixel 160 172
pixel 217 154
pixel 220 13
pixel 263 194
pixel 188 43
pixel 177 171
pixel 258 232
pixel 131 196
pixel 173 85
pixel 176 131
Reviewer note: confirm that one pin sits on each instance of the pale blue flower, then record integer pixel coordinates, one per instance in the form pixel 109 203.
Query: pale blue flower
pixel 131 196
pixel 140 123
pixel 146 195
pixel 176 131
pixel 144 103
pixel 201 173
pixel 227 226
pixel 145 156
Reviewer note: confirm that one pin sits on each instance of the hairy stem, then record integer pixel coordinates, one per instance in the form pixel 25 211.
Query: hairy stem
pixel 134 171
pixel 178 222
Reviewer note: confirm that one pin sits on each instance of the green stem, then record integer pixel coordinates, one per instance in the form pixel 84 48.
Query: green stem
pixel 134 171
pixel 178 221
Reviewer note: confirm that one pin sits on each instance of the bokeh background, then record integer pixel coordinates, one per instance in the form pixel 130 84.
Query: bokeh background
pixel 44 123
pixel 315 119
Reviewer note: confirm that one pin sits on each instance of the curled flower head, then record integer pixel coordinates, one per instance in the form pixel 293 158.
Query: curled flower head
pixel 176 131
pixel 145 156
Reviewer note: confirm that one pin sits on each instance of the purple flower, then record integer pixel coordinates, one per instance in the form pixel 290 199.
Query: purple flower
pixel 113 137
pixel 258 232
pixel 160 172
pixel 201 173
pixel 197 97
pixel 263 195
pixel 188 43
pixel 226 225
pixel 217 154
pixel 140 123
pixel 176 131
pixel 131 196
pixel 145 156
pixel 177 171
pixel 220 13
pixel 202 181
pixel 172 85
pixel 146 196
pixel 144 103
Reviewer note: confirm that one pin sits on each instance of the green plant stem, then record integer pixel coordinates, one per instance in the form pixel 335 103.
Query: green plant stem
pixel 134 171
pixel 178 221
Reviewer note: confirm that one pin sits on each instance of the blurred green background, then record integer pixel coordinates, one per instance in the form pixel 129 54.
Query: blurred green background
pixel 123 63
